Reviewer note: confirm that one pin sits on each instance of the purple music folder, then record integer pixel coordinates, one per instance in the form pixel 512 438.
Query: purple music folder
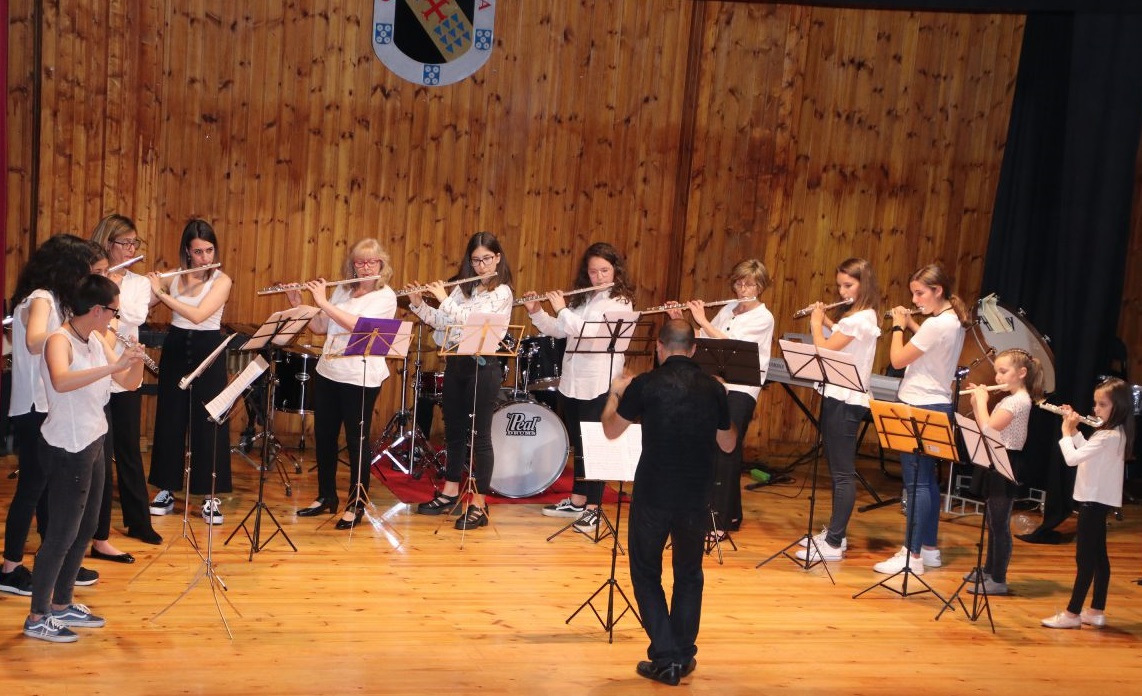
pixel 384 331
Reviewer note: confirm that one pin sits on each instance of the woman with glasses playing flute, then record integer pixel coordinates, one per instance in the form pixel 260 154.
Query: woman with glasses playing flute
pixel 341 388
pixel 842 410
pixel 119 238
pixel 585 377
pixel 462 388
pixel 196 301
pixel 744 319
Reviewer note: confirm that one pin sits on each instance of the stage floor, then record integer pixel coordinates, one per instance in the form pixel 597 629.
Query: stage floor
pixel 401 608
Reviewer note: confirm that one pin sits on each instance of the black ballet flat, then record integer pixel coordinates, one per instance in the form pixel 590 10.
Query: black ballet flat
pixel 438 505
pixel 113 557
pixel 349 524
pixel 319 506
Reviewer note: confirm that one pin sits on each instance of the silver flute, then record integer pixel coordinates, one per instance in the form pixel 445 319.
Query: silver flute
pixel 424 288
pixel 566 293
pixel 128 262
pixel 130 342
pixel 809 310
pixel 286 287
pixel 685 307
pixel 914 310
pixel 184 271
pixel 1089 420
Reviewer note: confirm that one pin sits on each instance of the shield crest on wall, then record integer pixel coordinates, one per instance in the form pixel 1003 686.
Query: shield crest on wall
pixel 433 42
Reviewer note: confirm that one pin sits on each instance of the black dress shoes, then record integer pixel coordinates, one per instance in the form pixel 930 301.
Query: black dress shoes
pixel 113 557
pixel 147 536
pixel 438 505
pixel 669 673
pixel 343 523
pixel 318 507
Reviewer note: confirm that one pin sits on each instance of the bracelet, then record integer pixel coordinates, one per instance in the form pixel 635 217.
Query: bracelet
pixel 897 328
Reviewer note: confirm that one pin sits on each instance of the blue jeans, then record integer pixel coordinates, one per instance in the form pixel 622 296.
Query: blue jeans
pixel 924 499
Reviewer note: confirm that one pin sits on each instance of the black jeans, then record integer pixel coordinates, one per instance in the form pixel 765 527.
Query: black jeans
pixel 1091 559
pixel 460 382
pixel 337 405
pixel 840 425
pixel 29 499
pixel 672 630
pixel 576 411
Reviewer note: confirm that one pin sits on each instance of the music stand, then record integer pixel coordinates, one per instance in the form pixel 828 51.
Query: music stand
pixel 373 337
pixel 611 460
pixel 611 335
pixel 985 450
pixel 912 429
pixel 824 366
pixel 402 429
pixel 735 362
pixel 481 337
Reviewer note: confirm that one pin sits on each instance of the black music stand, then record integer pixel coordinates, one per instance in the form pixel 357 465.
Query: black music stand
pixel 734 362
pixel 611 460
pixel 402 429
pixel 480 338
pixel 985 450
pixel 912 429
pixel 807 361
pixel 613 334
pixel 373 337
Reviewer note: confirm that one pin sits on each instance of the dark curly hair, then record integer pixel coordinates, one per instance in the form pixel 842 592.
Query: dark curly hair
pixel 623 287
pixel 58 266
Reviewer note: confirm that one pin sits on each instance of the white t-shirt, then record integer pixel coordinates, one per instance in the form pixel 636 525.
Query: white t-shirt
pixel 27 384
pixel 75 418
pixel 756 326
pixel 1014 436
pixel 928 380
pixel 584 375
pixel 864 329
pixel 378 304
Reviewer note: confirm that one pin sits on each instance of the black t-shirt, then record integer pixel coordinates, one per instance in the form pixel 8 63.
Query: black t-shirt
pixel 681 409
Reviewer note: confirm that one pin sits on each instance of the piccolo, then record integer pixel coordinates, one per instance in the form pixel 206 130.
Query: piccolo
pixel 990 388
pixel 130 342
pixel 809 310
pixel 565 293
pixel 286 287
pixel 128 262
pixel 184 271
pixel 914 310
pixel 1057 410
pixel 684 307
pixel 424 288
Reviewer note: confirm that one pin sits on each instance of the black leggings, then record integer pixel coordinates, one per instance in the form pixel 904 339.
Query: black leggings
pixel 1091 559
pixel 460 382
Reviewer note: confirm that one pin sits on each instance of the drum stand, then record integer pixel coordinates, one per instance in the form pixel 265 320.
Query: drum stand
pixel 398 433
pixel 610 585
pixel 270 449
pixel 270 439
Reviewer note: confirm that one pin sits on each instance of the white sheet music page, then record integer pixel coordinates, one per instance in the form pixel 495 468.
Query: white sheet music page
pixel 220 404
pixel 610 460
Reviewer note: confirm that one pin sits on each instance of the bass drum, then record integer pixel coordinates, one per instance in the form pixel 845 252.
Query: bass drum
pixel 530 445
pixel 994 329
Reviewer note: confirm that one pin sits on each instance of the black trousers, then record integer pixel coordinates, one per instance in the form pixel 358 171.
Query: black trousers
pixel 121 445
pixel 460 384
pixel 726 497
pixel 29 499
pixel 338 406
pixel 575 412
pixel 1091 560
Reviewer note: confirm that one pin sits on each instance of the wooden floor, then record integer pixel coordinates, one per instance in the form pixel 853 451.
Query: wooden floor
pixel 401 608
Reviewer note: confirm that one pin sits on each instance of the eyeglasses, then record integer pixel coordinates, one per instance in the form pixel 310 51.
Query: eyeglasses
pixel 745 284
pixel 483 260
pixel 127 243
pixel 362 263
pixel 113 310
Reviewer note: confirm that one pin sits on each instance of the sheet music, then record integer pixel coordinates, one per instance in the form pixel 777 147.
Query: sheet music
pixel 610 460
pixel 281 327
pixel 481 334
pixel 185 381
pixel 220 404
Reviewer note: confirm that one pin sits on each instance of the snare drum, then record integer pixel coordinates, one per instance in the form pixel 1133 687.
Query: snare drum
pixel 541 361
pixel 295 369
pixel 431 385
pixel 530 445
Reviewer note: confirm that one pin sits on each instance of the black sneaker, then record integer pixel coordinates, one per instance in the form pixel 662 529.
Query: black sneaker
pixel 18 582
pixel 86 577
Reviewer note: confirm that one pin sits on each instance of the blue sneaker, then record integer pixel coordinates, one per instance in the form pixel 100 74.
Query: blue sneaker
pixel 47 628
pixel 77 616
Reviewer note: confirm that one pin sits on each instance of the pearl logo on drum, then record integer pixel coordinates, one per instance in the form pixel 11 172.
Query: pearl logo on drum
pixel 520 425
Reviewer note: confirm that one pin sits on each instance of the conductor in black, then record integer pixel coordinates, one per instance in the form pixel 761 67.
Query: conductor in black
pixel 684 417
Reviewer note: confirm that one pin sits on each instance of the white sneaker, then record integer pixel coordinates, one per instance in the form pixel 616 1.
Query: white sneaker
pixel 821 539
pixel 210 512
pixel 931 558
pixel 821 550
pixel 1062 620
pixel 163 504
pixel 1093 620
pixel 897 562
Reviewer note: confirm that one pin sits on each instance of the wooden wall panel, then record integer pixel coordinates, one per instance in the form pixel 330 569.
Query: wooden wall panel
pixel 688 134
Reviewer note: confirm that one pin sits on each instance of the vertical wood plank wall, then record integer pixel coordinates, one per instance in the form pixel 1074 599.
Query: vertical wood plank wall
pixel 689 134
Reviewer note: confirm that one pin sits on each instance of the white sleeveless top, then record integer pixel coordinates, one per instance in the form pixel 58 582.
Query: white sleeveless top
pixel 27 385
pixel 75 418
pixel 211 323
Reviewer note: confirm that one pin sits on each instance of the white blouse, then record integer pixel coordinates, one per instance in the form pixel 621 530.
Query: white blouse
pixel 863 328
pixel 756 326
pixel 584 375
pixel 378 304
pixel 27 385
pixel 1100 465
pixel 1014 436
pixel 134 305
pixel 457 307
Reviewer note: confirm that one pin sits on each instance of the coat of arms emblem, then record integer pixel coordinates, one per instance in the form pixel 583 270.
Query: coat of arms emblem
pixel 433 42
